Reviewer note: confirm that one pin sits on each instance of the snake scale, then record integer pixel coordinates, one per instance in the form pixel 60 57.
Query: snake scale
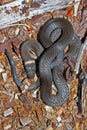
pixel 46 56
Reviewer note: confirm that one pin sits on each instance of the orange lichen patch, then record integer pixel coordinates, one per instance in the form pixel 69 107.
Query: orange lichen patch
pixel 30 29
pixel 69 11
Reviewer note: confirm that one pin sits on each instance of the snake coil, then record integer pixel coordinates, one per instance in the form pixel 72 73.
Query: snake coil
pixel 54 36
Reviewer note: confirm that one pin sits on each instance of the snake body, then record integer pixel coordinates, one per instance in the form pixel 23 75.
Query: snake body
pixel 13 70
pixel 47 59
pixel 30 50
pixel 54 36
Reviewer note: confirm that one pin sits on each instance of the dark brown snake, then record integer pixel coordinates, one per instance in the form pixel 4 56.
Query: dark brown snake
pixel 54 36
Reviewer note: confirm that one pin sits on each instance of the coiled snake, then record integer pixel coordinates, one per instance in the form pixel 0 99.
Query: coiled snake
pixel 48 52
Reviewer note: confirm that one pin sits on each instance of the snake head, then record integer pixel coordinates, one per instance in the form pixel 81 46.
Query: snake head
pixel 30 69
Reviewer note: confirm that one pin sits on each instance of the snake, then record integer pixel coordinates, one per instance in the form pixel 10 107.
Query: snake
pixel 45 56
